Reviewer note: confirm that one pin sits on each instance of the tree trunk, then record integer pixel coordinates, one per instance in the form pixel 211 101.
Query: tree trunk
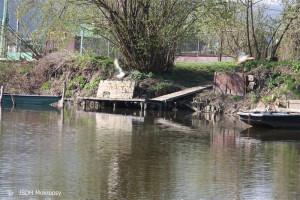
pixel 258 54
pixel 247 27
pixel 275 47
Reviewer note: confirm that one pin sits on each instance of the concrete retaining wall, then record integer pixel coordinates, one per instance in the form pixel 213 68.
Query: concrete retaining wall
pixel 116 89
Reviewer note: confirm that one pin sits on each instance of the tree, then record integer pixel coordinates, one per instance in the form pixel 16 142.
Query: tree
pixel 290 13
pixel 51 20
pixel 249 26
pixel 146 31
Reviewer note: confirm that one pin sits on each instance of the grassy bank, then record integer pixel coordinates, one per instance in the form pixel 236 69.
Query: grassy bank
pixel 192 74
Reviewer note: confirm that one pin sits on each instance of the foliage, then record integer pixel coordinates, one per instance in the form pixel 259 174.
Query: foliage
pixel 166 87
pixel 237 98
pixel 103 61
pixel 269 99
pixel 82 61
pixel 248 26
pixel 70 93
pixel 46 86
pixel 255 98
pixel 92 86
pixel 25 69
pixel 146 31
pixel 141 76
pixel 53 20
pixel 78 81
pixel 273 80
pixel 296 66
pixel 150 75
pixel 249 66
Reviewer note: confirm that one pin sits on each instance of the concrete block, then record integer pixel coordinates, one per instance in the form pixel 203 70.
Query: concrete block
pixel 116 89
pixel 250 78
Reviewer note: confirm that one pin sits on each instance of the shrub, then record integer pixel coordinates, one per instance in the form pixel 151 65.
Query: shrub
pixel 270 99
pixel 82 61
pixel 236 98
pixel 24 70
pixel 255 98
pixel 296 66
pixel 250 65
pixel 160 86
pixel 140 76
pixel 46 86
pixel 267 100
pixel 150 75
pixel 274 80
pixel 93 84
pixel 77 81
pixel 103 62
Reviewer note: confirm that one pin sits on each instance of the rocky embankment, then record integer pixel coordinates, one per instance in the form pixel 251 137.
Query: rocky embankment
pixel 268 87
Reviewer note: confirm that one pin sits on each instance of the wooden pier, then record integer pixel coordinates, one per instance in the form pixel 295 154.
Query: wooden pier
pixel 165 100
pixel 180 94
pixel 162 102
pixel 94 104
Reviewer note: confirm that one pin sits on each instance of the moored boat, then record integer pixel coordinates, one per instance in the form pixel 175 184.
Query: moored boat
pixel 273 119
pixel 29 99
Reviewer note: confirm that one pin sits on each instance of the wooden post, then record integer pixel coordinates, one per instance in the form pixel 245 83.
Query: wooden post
pixel 214 84
pixel 1 95
pixel 84 105
pixel 142 105
pixel 160 106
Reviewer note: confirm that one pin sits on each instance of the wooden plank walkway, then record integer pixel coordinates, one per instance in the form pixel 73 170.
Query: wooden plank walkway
pixel 182 93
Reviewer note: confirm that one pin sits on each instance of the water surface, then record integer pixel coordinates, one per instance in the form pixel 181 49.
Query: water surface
pixel 136 155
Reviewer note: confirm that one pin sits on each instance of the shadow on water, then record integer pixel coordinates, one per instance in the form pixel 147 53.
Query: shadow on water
pixel 30 107
pixel 265 134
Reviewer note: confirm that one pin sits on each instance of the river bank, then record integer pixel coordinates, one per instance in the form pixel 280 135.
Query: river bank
pixel 275 82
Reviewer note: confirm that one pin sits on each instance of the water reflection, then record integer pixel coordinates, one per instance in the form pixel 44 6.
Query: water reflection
pixel 265 134
pixel 135 155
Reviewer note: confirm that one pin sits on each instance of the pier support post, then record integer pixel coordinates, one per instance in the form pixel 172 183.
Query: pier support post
pixel 142 105
pixel 114 105
pixel 1 95
pixel 84 105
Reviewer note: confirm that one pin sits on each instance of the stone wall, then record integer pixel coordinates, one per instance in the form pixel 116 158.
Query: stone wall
pixel 116 89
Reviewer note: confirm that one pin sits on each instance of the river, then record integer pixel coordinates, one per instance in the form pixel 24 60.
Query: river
pixel 127 154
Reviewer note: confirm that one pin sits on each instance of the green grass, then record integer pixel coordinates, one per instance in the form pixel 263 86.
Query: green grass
pixel 191 74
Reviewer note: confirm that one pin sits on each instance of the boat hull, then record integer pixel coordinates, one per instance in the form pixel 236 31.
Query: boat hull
pixel 29 99
pixel 271 119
